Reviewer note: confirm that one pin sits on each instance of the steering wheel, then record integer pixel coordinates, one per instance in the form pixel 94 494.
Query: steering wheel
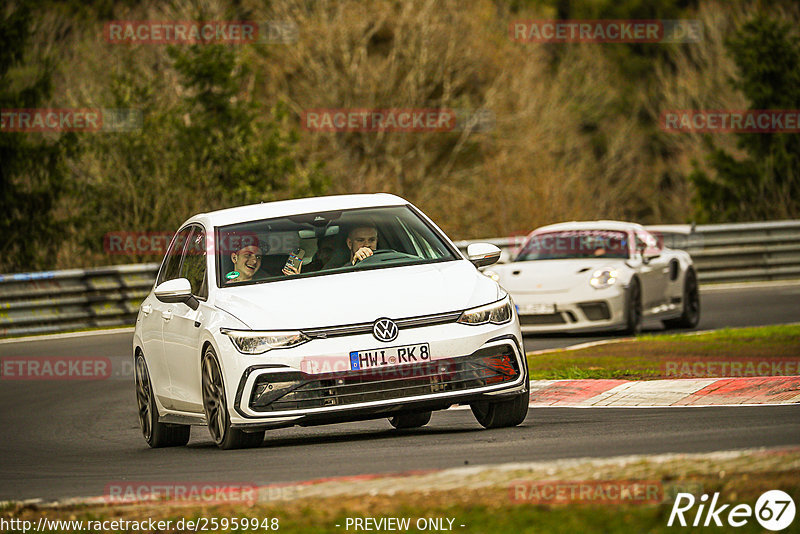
pixel 377 256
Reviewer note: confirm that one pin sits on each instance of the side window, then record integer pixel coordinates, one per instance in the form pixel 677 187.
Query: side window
pixel 647 242
pixel 639 242
pixel 653 243
pixel 194 263
pixel 172 261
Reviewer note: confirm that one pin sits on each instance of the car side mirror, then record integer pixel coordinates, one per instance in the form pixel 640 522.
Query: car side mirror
pixel 175 291
pixel 640 248
pixel 483 254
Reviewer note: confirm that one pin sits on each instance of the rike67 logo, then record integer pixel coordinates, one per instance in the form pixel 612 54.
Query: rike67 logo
pixel 774 510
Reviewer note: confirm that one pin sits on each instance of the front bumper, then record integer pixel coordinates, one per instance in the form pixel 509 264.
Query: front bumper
pixel 602 311
pixel 480 363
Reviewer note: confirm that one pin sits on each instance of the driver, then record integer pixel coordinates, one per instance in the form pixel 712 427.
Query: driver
pixel 362 241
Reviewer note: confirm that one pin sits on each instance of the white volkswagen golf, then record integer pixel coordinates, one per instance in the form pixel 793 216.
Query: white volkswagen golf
pixel 322 310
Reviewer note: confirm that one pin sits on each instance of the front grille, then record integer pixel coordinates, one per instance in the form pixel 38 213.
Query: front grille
pixel 300 391
pixel 552 318
pixel 366 328
pixel 595 311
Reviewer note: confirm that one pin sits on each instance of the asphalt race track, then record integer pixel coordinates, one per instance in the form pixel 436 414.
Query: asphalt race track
pixel 72 438
pixel 735 307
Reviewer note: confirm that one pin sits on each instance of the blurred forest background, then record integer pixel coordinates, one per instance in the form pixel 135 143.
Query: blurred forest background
pixel 576 133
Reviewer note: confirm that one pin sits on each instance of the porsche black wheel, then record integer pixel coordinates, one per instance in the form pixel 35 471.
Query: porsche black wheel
pixel 633 308
pixel 691 304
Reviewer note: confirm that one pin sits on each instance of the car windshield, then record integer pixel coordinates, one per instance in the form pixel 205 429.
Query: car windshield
pixel 575 244
pixel 317 244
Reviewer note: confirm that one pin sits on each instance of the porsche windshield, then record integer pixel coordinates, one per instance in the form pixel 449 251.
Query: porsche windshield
pixel 315 244
pixel 575 244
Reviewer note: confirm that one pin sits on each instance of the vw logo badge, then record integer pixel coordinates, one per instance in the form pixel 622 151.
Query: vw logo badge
pixel 384 330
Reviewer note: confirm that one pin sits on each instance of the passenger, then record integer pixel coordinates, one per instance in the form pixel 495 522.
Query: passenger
pixel 326 246
pixel 246 263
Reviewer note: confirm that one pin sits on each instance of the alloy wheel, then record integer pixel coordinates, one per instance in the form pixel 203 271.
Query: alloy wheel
pixel 143 398
pixel 214 398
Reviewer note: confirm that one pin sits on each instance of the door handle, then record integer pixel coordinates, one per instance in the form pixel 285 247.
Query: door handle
pixel 147 309
pixel 166 315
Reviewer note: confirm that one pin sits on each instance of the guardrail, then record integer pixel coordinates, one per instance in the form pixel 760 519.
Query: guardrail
pixel 747 252
pixel 57 301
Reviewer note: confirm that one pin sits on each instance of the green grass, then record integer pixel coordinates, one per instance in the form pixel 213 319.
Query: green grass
pixel 485 510
pixel 645 357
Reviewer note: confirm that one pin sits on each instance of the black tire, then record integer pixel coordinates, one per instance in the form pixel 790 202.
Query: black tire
pixel 215 407
pixel 410 420
pixel 155 433
pixel 691 304
pixel 633 308
pixel 502 414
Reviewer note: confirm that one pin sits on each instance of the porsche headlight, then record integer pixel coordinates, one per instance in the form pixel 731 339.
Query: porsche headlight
pixel 252 342
pixel 603 278
pixel 496 313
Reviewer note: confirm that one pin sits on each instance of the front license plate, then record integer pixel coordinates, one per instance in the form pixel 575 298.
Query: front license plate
pixel 404 354
pixel 537 309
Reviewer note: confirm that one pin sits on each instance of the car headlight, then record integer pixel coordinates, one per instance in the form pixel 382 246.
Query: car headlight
pixel 251 342
pixel 603 278
pixel 496 313
pixel 493 275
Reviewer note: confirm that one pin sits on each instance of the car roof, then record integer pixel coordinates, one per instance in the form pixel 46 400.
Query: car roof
pixel 283 208
pixel 590 225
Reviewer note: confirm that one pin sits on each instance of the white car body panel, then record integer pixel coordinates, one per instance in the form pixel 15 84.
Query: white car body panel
pixel 350 297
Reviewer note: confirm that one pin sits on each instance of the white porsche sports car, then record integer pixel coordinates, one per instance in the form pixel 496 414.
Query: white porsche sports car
pixel 322 310
pixel 599 275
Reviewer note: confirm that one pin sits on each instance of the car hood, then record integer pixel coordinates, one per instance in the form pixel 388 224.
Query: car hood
pixel 550 276
pixel 359 297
